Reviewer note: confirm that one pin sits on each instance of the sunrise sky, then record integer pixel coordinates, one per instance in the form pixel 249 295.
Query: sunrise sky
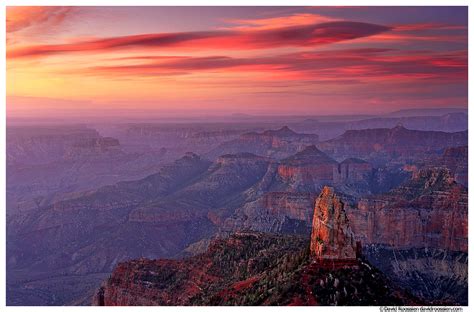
pixel 255 60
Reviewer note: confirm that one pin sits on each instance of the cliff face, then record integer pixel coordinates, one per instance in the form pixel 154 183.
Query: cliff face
pixel 312 167
pixel 331 237
pixel 428 211
pixel 279 212
pixel 309 167
pixel 398 143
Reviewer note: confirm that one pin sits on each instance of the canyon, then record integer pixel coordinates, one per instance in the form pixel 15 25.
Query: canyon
pixel 82 203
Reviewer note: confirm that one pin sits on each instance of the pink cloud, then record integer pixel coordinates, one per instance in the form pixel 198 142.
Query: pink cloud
pixel 357 65
pixel 278 22
pixel 305 35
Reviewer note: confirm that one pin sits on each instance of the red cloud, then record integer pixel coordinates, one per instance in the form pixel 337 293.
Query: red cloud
pixel 427 26
pixel 279 22
pixel 353 64
pixel 305 35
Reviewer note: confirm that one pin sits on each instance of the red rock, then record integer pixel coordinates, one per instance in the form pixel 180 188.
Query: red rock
pixel 428 211
pixel 331 237
pixel 310 166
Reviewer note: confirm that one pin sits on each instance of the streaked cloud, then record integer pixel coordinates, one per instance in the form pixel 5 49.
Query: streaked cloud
pixel 334 65
pixel 296 19
pixel 305 35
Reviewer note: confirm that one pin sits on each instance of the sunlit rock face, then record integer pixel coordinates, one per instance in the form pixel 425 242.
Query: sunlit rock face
pixel 331 237
pixel 310 167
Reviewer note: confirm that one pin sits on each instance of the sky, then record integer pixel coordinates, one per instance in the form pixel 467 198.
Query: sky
pixel 66 61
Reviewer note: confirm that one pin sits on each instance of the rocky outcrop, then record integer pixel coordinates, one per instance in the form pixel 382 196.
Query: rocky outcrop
pixel 416 234
pixel 331 236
